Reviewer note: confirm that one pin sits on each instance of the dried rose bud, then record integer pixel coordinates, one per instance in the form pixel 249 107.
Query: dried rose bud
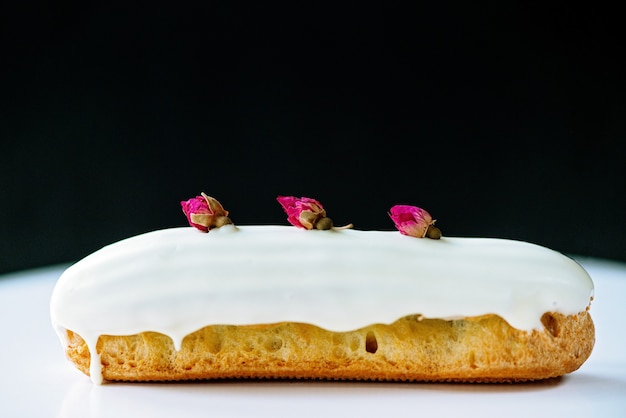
pixel 204 212
pixel 302 212
pixel 414 221
pixel 307 213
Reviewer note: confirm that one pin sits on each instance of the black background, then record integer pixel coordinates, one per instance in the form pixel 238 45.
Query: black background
pixel 502 120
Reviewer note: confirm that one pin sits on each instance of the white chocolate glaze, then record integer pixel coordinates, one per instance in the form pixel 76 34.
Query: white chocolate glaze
pixel 176 281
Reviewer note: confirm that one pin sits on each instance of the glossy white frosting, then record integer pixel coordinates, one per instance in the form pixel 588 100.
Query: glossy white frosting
pixel 176 281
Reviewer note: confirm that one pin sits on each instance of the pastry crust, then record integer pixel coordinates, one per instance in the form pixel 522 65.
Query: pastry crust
pixel 480 349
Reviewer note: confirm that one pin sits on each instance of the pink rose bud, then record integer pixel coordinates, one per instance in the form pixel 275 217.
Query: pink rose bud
pixel 302 212
pixel 204 212
pixel 414 221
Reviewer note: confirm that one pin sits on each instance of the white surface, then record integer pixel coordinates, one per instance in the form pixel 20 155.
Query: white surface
pixel 37 381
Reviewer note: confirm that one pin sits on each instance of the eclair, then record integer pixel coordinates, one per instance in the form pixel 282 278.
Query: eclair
pixel 306 303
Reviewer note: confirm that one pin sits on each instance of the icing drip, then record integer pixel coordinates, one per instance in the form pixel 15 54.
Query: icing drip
pixel 176 281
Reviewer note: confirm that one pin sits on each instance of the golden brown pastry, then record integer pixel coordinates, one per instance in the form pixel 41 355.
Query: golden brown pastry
pixel 483 349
